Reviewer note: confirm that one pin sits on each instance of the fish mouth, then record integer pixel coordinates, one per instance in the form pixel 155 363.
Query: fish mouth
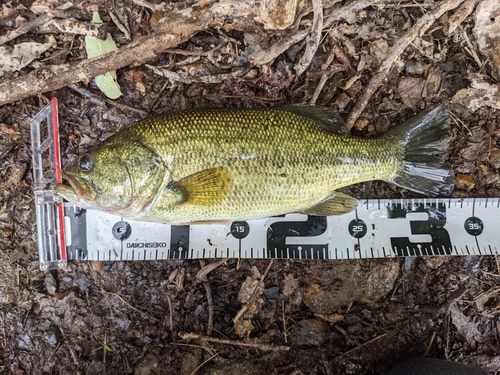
pixel 68 191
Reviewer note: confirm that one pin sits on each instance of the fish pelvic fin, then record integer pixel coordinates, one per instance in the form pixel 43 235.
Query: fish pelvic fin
pixel 336 204
pixel 425 139
pixel 204 188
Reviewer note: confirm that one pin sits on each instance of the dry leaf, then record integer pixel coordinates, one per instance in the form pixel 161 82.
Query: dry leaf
pixel 331 318
pixel 277 14
pixel 8 10
pixel 465 181
pixel 378 50
pixel 289 285
pixel 250 297
pixel 13 59
pixel 136 77
pixel 42 6
pixel 465 326
pixel 487 31
pixel 410 90
pixel 480 93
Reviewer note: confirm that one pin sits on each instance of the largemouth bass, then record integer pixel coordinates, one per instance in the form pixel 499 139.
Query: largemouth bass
pixel 239 164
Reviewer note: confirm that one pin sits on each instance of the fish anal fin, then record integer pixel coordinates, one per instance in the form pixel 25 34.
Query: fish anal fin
pixel 335 204
pixel 205 188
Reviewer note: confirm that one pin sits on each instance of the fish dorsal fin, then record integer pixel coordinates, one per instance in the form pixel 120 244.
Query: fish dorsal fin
pixel 326 118
pixel 335 204
pixel 204 188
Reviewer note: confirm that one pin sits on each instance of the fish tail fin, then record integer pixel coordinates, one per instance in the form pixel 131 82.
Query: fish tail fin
pixel 425 139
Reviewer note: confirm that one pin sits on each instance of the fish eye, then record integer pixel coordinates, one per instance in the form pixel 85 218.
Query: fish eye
pixel 86 163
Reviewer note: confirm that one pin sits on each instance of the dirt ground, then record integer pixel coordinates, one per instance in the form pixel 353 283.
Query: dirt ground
pixel 312 317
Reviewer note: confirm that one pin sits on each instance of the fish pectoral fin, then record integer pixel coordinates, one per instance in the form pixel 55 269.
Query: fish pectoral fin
pixel 335 204
pixel 206 188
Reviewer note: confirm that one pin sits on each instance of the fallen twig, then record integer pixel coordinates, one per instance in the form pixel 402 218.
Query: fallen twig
pixel 187 53
pixel 170 311
pixel 431 341
pixel 318 89
pixel 205 270
pixel 362 345
pixel 30 25
pixel 266 56
pixel 73 26
pixel 461 14
pixel 471 49
pixel 97 100
pixel 155 7
pixel 348 10
pixel 120 26
pixel 133 308
pixel 285 333
pixel 210 301
pixel 203 363
pixel 313 39
pixel 420 27
pixel 257 345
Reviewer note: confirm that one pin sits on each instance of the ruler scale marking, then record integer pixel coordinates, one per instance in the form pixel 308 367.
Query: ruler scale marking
pixel 419 226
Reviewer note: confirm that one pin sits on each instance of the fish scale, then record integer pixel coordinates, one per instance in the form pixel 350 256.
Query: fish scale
pixel 240 164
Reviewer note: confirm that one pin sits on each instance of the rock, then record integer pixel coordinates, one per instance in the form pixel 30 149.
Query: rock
pixel 465 181
pixel 308 332
pixel 413 66
pixel 335 284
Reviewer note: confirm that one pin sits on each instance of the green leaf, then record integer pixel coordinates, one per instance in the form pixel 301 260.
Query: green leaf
pixel 108 348
pixel 108 85
pixel 96 18
pixel 96 47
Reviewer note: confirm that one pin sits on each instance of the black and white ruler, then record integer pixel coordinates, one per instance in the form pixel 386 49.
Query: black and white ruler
pixel 377 228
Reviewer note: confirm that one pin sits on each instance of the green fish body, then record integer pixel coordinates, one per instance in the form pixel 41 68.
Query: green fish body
pixel 239 164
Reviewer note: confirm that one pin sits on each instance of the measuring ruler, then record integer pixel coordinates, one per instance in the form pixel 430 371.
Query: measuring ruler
pixel 378 228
